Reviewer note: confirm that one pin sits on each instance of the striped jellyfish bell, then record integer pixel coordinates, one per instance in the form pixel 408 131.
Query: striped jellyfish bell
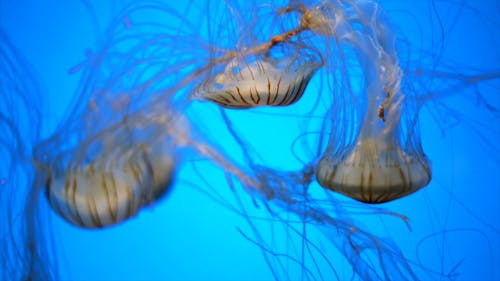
pixel 110 190
pixel 260 80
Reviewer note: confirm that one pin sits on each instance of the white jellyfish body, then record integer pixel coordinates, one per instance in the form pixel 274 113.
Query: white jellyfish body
pixel 109 190
pixel 259 83
pixel 375 171
pixel 278 77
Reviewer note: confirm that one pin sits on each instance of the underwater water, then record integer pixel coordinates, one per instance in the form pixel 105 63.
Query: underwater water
pixel 225 188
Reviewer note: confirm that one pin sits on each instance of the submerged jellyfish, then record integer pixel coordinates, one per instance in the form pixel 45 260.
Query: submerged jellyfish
pixel 110 189
pixel 385 160
pixel 110 157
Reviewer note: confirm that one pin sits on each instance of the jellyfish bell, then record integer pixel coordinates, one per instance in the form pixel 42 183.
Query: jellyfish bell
pixel 99 194
pixel 110 189
pixel 102 178
pixel 278 77
pixel 375 171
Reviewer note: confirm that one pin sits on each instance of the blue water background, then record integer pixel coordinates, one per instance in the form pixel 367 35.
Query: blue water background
pixel 188 236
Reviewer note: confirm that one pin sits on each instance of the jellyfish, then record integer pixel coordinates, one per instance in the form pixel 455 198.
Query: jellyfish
pixel 110 190
pixel 114 154
pixel 385 160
